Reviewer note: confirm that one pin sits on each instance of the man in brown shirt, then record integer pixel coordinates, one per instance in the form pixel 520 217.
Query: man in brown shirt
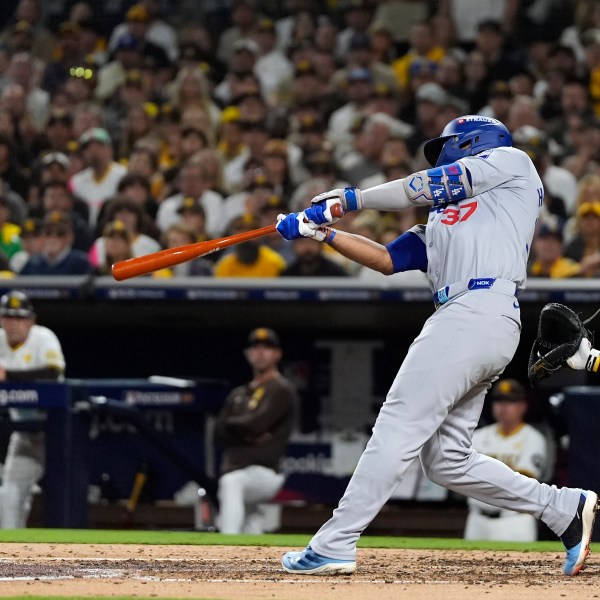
pixel 253 429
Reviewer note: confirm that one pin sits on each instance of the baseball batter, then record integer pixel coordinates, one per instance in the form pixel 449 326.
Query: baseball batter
pixel 484 197
pixel 520 446
pixel 27 352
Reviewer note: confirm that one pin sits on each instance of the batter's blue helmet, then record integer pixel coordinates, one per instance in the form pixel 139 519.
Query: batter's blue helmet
pixel 466 136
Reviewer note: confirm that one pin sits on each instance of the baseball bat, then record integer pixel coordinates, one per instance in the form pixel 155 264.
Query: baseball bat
pixel 142 265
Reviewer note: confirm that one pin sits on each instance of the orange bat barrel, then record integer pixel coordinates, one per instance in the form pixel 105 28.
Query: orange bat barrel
pixel 163 259
pixel 142 265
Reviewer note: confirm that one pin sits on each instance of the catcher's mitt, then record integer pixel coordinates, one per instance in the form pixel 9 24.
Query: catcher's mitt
pixel 560 331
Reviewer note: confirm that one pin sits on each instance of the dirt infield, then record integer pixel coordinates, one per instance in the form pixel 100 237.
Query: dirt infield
pixel 248 572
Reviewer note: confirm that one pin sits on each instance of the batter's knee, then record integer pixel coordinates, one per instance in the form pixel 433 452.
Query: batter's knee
pixel 443 466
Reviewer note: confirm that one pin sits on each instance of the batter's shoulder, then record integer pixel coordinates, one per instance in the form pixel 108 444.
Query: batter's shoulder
pixel 498 164
pixel 513 157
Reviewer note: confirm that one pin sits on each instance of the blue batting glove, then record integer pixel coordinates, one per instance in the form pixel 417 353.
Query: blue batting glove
pixel 316 214
pixel 288 225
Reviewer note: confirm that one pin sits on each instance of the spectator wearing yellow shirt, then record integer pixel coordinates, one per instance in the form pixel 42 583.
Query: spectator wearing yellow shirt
pixel 549 260
pixel 251 258
pixel 422 45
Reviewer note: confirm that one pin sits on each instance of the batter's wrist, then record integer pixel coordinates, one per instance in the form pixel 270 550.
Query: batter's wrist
pixel 330 233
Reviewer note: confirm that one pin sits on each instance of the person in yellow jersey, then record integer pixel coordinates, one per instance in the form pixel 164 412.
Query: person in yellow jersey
pixel 249 259
pixel 518 445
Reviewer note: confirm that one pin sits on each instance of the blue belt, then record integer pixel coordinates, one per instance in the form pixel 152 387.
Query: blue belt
pixel 502 286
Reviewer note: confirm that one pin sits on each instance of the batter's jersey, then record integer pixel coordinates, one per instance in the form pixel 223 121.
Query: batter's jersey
pixel 525 450
pixel 489 234
pixel 41 349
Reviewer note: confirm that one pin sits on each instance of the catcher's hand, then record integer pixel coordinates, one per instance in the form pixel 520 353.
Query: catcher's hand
pixel 559 336
pixel 586 357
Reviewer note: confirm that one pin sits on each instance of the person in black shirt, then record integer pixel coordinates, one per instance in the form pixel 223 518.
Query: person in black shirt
pixel 310 261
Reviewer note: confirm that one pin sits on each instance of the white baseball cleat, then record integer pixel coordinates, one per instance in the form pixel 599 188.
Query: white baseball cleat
pixel 308 562
pixel 578 534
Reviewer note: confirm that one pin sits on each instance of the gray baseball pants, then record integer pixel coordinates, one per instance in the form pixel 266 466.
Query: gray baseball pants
pixel 430 412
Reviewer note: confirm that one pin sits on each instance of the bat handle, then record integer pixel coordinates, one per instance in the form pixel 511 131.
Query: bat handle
pixel 337 211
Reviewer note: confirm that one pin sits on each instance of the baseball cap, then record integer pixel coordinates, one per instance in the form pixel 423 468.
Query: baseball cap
pixel 258 179
pixel 588 208
pixel 21 27
pixel 422 66
pixel 360 41
pixel 127 42
pixel 231 114
pixel 531 140
pixel 275 202
pixel 68 28
pixel 190 204
pixel 57 220
pixel 359 74
pixel 246 44
pixel 190 51
pixel 591 36
pixel 304 67
pixel 276 147
pixel 431 92
pixel 116 228
pixel 383 90
pixel 265 24
pixel 134 77
pixel 60 116
pixel 508 390
pixel 310 123
pixel 137 13
pixel 56 157
pixel 95 134
pixel 500 89
pixel 16 304
pixel 263 335
pixel 31 227
pixel 547 230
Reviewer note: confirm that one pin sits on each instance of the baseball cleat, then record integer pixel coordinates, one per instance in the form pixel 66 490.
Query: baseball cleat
pixel 578 534
pixel 308 562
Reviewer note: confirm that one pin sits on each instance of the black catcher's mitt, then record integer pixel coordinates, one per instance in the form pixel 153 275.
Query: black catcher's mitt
pixel 560 331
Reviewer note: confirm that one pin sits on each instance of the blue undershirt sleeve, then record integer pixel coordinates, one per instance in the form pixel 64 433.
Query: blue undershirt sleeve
pixel 408 253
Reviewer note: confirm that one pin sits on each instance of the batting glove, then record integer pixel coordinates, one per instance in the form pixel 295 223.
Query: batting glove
pixel 586 357
pixel 296 225
pixel 320 211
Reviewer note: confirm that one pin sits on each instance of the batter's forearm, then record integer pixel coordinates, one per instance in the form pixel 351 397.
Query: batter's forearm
pixel 363 251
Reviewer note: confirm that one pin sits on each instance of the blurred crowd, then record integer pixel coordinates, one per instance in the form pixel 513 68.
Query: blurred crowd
pixel 130 127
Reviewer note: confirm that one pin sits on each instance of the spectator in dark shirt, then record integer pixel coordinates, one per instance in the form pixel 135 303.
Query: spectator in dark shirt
pixel 58 256
pixel 310 261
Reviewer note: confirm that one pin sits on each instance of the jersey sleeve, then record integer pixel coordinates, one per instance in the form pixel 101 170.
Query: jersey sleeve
pixel 408 252
pixel 495 168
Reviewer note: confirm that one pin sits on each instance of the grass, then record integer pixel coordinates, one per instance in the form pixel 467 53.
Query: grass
pixel 102 536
